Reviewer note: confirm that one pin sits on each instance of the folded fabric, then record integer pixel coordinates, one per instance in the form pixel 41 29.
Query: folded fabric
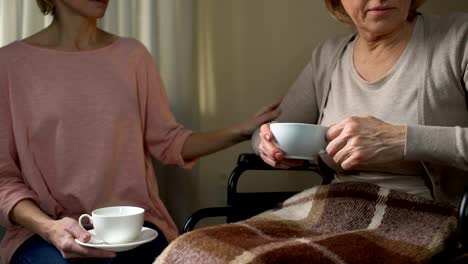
pixel 336 223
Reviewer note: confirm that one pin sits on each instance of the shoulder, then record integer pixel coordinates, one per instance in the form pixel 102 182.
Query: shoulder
pixel 449 20
pixel 329 51
pixel 131 43
pixel 136 51
pixel 454 25
pixel 334 44
pixel 139 56
pixel 134 48
pixel 11 52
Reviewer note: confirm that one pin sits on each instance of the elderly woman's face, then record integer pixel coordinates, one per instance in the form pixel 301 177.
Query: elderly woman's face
pixel 377 16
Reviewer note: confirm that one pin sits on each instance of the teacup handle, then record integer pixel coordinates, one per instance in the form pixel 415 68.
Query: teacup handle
pixel 329 161
pixel 81 218
pixel 332 164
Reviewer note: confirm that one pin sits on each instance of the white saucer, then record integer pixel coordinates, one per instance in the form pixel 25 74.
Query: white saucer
pixel 147 234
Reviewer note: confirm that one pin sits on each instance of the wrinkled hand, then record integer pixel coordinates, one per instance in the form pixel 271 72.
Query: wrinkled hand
pixel 266 114
pixel 271 154
pixel 360 142
pixel 62 234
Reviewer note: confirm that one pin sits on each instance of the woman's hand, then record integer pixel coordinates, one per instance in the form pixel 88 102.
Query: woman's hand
pixel 360 142
pixel 266 114
pixel 203 143
pixel 271 154
pixel 62 233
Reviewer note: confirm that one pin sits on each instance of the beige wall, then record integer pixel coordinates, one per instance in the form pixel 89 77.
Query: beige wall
pixel 249 52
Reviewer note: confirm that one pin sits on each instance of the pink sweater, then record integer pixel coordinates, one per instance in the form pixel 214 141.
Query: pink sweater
pixel 77 132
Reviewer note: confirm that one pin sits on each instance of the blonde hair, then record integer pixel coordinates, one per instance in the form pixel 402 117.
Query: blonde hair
pixel 46 6
pixel 337 10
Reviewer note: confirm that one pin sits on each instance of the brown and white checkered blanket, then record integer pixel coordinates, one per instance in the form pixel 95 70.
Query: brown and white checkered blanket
pixel 337 223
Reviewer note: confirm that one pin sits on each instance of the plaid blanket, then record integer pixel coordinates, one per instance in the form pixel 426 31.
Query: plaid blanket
pixel 337 223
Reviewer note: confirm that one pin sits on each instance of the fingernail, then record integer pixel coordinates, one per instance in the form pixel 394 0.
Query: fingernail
pixel 278 156
pixel 267 136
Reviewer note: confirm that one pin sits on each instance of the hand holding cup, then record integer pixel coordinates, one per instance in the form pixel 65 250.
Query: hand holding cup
pixel 117 224
pixel 285 145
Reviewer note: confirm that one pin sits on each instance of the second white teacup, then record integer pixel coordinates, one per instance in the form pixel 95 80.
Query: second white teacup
pixel 299 140
pixel 117 224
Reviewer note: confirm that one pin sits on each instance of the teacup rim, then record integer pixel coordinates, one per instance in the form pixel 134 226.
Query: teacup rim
pixel 140 210
pixel 293 123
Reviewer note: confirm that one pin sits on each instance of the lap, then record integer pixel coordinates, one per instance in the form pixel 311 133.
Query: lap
pixel 337 223
pixel 36 250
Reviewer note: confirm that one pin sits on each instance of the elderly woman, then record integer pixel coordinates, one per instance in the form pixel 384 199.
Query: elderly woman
pixel 82 112
pixel 393 96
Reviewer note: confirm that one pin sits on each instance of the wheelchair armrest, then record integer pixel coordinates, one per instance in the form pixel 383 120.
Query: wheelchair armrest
pixel 463 221
pixel 204 213
pixel 250 161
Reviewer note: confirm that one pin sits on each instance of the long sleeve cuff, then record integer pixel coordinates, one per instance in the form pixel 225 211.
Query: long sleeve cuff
pixel 431 143
pixel 10 203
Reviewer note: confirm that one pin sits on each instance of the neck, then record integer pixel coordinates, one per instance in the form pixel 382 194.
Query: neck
pixel 397 38
pixel 74 32
pixel 375 55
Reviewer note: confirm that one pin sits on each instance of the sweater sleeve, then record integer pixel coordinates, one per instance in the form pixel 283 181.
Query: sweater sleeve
pixel 298 105
pixel 164 137
pixel 442 144
pixel 307 94
pixel 12 186
pixel 305 97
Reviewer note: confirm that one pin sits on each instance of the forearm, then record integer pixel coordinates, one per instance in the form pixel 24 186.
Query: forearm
pixel 199 144
pixel 27 214
pixel 203 143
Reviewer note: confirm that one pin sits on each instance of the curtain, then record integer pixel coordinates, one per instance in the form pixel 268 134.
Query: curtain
pixel 165 27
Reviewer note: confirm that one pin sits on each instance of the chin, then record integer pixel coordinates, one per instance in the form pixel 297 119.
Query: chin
pixel 383 27
pixel 94 12
pixel 86 8
pixel 97 8
pixel 98 14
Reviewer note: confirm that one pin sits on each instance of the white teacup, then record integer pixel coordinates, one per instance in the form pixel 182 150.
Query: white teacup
pixel 299 140
pixel 117 224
